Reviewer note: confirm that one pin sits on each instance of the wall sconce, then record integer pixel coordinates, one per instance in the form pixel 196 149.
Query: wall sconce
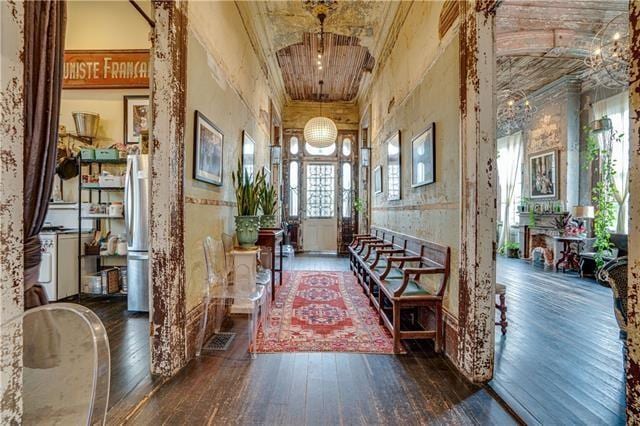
pixel 365 157
pixel 276 154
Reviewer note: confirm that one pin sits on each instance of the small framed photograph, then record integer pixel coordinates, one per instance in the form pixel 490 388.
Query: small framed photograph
pixel 543 175
pixel 423 157
pixel 207 151
pixel 377 180
pixel 248 154
pixel 136 118
pixel 394 172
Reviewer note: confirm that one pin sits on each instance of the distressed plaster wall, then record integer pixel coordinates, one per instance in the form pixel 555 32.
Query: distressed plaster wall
pixel 11 198
pixel 423 78
pixel 226 84
pixel 555 126
pixel 344 114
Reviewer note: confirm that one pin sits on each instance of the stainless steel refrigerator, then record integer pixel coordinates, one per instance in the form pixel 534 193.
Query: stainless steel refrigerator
pixel 136 214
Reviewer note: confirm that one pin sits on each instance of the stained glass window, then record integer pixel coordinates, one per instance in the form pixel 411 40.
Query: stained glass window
pixel 321 181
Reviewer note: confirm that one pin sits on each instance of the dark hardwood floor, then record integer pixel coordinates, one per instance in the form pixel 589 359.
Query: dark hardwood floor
pixel 561 361
pixel 128 334
pixel 223 388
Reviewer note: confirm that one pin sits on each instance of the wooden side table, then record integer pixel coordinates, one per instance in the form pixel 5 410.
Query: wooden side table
pixel 272 238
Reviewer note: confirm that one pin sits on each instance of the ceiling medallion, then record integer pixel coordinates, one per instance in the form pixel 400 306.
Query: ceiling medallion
pixel 318 7
pixel 320 132
pixel 609 54
pixel 515 110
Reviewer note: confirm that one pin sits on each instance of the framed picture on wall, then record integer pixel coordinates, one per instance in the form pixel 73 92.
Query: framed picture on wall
pixel 543 177
pixel 208 151
pixel 423 157
pixel 136 118
pixel 248 154
pixel 377 180
pixel 394 173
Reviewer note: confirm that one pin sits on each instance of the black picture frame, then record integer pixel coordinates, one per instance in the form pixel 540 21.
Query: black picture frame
pixel 131 134
pixel 377 180
pixel 394 165
pixel 543 175
pixel 426 140
pixel 205 131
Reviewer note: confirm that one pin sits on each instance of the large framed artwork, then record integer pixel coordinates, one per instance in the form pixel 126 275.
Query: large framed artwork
pixel 208 151
pixel 136 117
pixel 377 180
pixel 423 157
pixel 394 173
pixel 248 154
pixel 543 175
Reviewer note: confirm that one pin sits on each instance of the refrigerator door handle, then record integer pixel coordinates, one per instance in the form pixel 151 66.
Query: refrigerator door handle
pixel 128 204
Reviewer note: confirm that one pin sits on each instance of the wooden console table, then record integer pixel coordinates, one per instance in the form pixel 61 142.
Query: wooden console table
pixel 272 238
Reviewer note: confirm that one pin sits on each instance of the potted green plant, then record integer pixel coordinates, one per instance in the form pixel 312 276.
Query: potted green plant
pixel 248 200
pixel 562 222
pixel 513 249
pixel 268 205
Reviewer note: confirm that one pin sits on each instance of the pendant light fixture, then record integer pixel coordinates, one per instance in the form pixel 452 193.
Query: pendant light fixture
pixel 320 132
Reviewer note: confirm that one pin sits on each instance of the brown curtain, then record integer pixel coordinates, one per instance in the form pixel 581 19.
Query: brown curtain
pixel 45 23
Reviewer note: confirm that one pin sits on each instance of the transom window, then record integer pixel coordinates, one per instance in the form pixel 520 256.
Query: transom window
pixel 312 150
pixel 321 183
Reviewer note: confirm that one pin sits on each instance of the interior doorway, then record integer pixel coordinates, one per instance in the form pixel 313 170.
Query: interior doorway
pixel 318 199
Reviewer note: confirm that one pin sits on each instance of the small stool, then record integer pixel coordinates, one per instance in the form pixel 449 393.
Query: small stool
pixel 501 292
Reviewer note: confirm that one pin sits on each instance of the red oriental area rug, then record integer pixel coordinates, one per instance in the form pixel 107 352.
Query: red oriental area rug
pixel 323 312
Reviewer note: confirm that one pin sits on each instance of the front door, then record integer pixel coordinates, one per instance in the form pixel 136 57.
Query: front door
pixel 320 221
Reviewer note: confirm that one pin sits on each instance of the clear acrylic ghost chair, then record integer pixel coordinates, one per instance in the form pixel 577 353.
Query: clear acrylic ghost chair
pixel 66 364
pixel 219 292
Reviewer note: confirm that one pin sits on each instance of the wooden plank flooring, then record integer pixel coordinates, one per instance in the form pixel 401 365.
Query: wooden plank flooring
pixel 128 334
pixel 319 388
pixel 561 361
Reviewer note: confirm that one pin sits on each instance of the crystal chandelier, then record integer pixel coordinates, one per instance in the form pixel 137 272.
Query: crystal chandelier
pixel 515 110
pixel 320 131
pixel 609 54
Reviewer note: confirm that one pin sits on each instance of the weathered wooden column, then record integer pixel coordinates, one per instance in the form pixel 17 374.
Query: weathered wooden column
pixel 11 198
pixel 633 330
pixel 167 269
pixel 478 189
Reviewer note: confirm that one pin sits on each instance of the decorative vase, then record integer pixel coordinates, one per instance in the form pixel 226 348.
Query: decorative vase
pixel 268 221
pixel 247 230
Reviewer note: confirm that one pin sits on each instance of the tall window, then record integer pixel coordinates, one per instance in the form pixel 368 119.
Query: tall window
pixel 617 109
pixel 346 190
pixel 321 183
pixel 509 173
pixel 293 188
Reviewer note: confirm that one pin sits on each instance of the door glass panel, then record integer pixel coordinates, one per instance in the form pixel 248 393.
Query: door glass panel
pixel 321 182
pixel 346 190
pixel 327 150
pixel 293 145
pixel 346 147
pixel 293 188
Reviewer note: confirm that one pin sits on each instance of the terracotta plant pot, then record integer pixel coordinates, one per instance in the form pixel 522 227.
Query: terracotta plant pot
pixel 247 230
pixel 268 221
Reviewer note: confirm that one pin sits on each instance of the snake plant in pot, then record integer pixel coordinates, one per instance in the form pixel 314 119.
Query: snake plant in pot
pixel 268 205
pixel 248 200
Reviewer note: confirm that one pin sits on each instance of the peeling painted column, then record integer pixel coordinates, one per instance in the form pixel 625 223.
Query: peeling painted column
pixel 167 268
pixel 478 189
pixel 633 291
pixel 11 189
